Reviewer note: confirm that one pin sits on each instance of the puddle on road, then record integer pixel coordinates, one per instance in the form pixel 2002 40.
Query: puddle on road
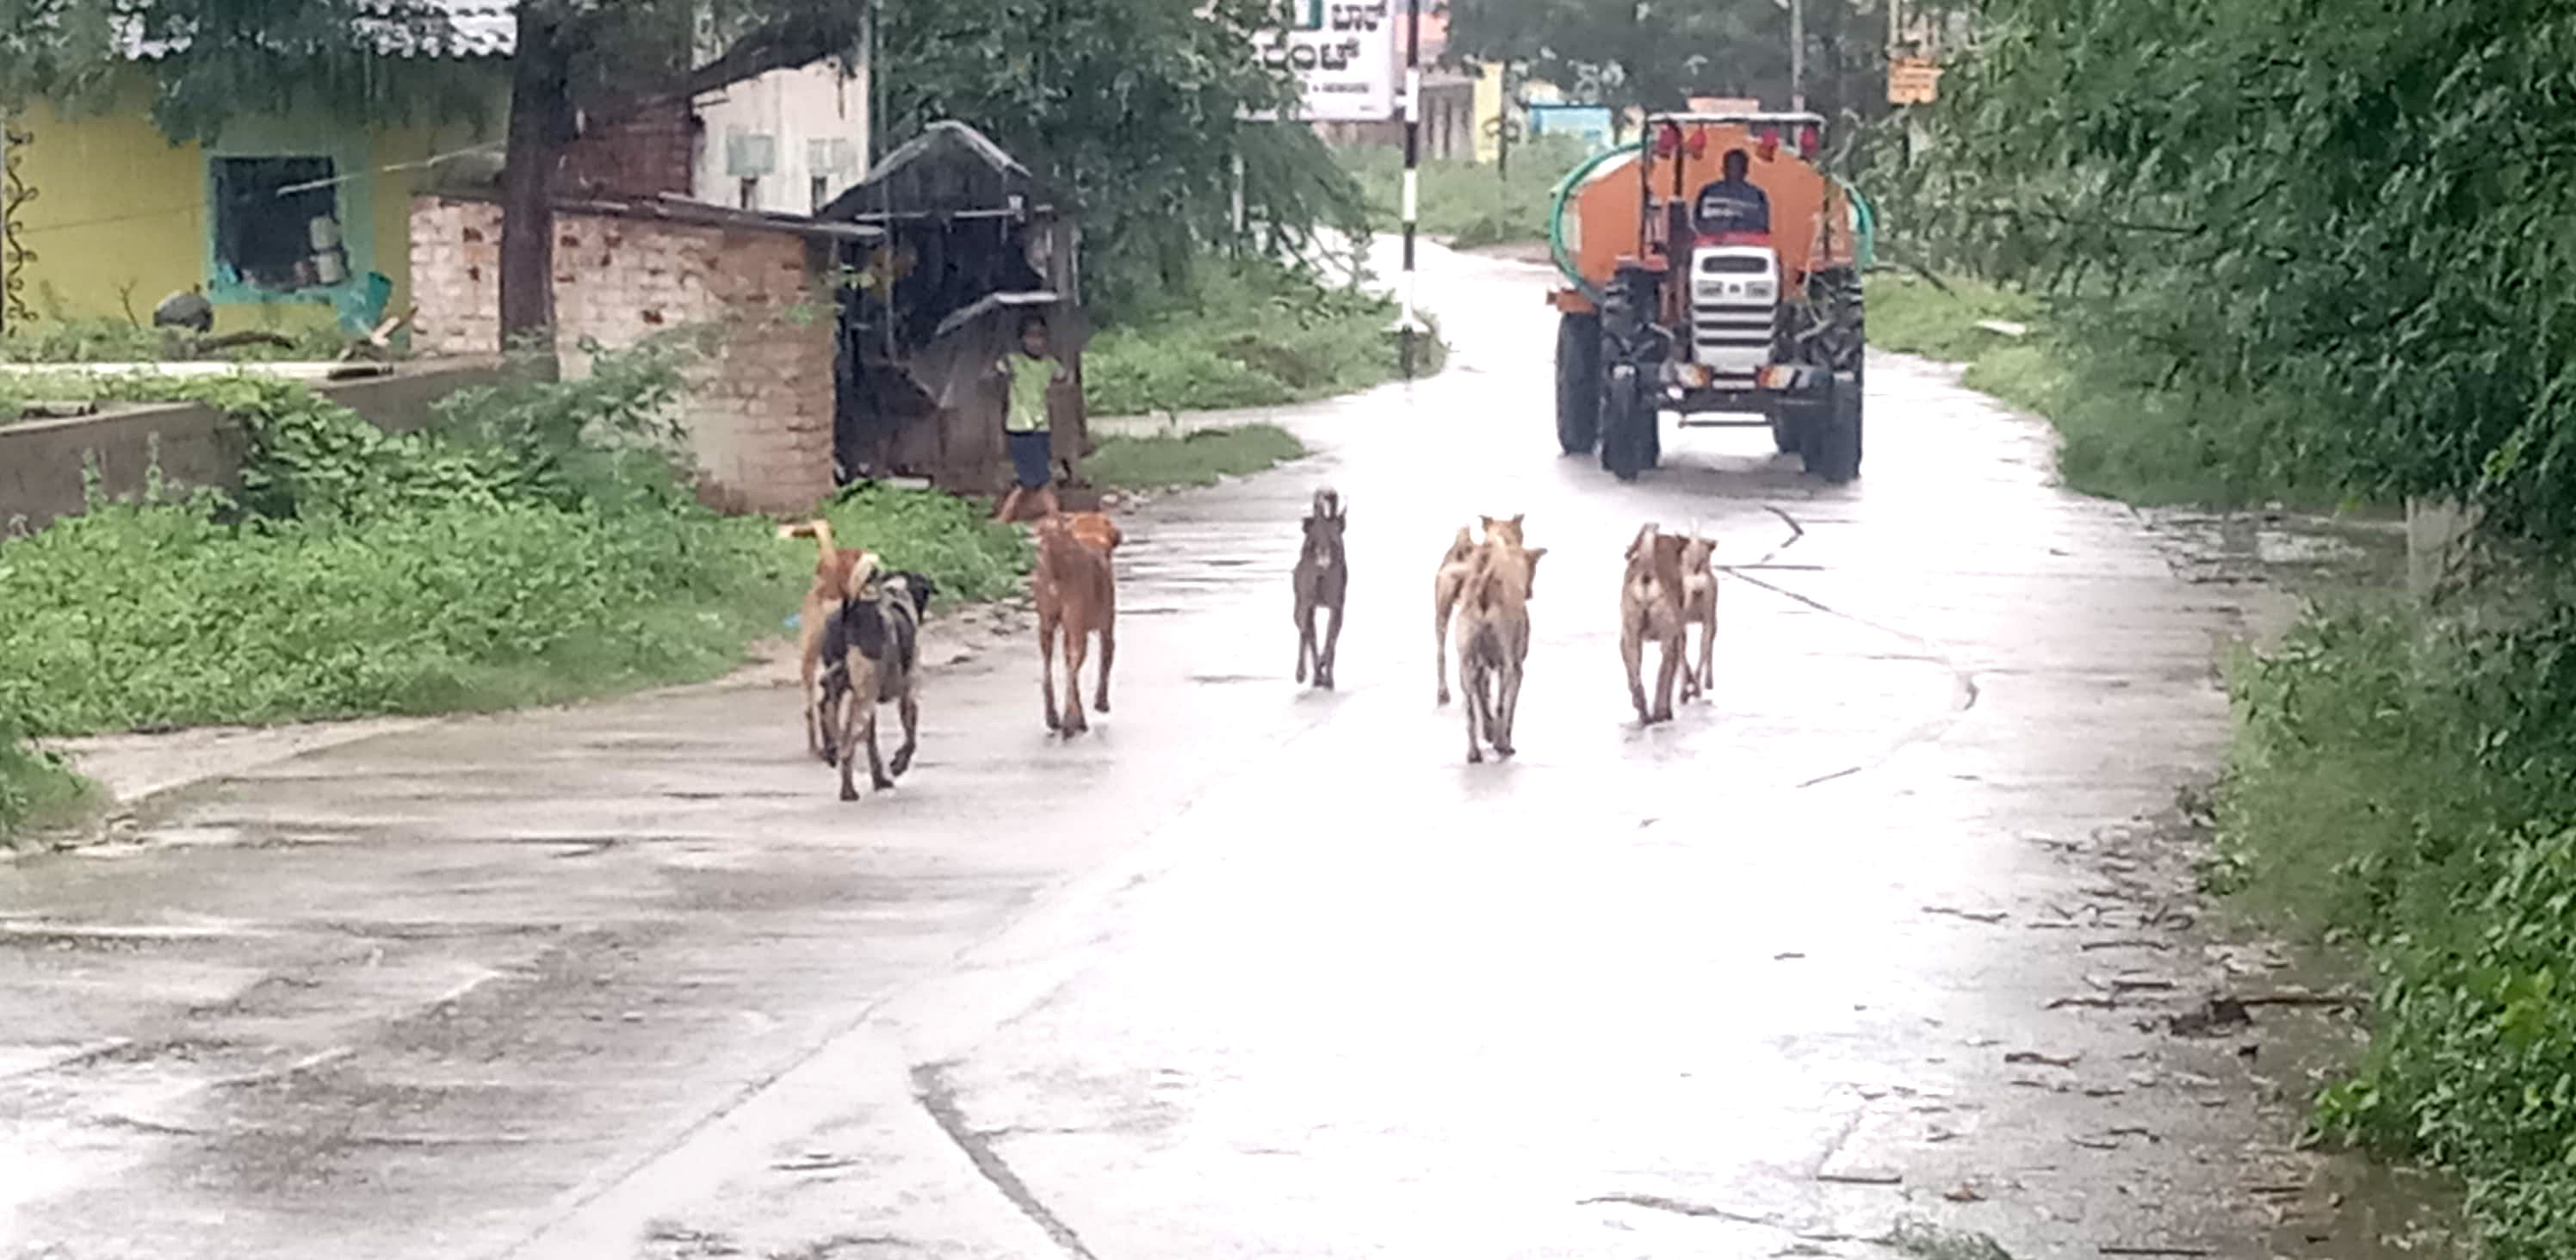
pixel 2249 547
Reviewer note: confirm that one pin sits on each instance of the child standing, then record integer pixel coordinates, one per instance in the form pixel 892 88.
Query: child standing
pixel 1027 375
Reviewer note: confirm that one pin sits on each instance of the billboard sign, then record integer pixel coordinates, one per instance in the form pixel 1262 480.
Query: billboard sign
pixel 1342 56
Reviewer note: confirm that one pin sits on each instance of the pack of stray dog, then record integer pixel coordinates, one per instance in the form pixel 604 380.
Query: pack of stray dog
pixel 861 646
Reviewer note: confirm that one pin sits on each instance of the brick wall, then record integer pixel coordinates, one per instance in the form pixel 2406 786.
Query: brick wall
pixel 758 410
pixel 652 152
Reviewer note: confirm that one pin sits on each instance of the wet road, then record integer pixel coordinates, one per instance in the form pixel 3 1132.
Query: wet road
pixel 1250 971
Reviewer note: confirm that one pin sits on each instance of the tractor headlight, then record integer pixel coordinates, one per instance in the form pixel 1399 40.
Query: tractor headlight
pixel 1758 289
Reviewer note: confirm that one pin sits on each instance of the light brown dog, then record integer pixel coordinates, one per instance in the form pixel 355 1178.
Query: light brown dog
pixel 840 573
pixel 1446 584
pixel 1493 636
pixel 1076 588
pixel 1650 608
pixel 1699 608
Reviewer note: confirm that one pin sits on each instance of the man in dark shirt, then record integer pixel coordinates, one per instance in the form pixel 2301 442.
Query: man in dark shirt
pixel 1732 203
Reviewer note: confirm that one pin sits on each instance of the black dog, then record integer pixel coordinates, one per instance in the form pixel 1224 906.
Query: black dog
pixel 872 655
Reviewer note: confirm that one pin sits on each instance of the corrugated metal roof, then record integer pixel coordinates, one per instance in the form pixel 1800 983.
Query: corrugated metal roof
pixel 400 28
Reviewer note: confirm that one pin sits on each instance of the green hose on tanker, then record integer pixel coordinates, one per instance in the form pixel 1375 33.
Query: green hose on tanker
pixel 1864 219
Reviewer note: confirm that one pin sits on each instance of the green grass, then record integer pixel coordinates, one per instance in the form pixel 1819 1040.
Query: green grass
pixel 36 789
pixel 501 563
pixel 1469 205
pixel 155 616
pixel 1194 459
pixel 1244 334
pixel 61 339
pixel 2127 435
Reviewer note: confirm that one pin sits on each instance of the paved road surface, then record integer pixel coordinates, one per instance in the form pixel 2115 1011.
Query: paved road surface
pixel 1249 972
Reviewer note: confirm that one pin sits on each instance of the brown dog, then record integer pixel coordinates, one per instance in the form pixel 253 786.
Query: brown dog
pixel 1699 608
pixel 1076 588
pixel 1650 608
pixel 1494 636
pixel 1455 565
pixel 1321 580
pixel 840 573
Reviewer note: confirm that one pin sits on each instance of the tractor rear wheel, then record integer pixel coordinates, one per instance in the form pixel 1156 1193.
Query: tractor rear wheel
pixel 1624 413
pixel 1578 382
pixel 1838 434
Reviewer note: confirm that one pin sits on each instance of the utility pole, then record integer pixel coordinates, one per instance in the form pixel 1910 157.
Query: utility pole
pixel 1412 177
pixel 1797 54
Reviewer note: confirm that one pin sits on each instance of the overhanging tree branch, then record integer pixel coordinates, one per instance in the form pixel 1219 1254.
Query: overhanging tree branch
pixel 784 43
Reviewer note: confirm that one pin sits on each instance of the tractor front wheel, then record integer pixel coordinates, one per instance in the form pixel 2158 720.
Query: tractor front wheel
pixel 1578 382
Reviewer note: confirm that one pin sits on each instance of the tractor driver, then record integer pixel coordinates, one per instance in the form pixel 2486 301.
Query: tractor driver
pixel 1732 204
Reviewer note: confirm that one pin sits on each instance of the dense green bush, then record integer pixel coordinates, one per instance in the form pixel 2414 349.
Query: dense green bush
pixel 1245 333
pixel 2409 784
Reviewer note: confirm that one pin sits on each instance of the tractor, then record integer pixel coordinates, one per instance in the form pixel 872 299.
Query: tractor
pixel 1711 268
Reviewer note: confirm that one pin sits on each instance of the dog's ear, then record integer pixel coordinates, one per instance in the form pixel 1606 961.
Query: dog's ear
pixel 922 588
pixel 1517 517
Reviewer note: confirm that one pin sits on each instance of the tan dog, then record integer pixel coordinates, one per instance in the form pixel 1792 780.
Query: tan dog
pixel 1699 608
pixel 1451 579
pixel 1076 588
pixel 1650 608
pixel 840 573
pixel 1493 636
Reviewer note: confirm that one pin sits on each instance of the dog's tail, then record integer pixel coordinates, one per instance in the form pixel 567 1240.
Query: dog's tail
pixel 818 529
pixel 1464 547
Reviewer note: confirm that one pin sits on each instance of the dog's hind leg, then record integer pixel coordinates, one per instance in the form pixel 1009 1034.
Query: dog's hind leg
pixel 1046 667
pixel 1632 652
pixel 1472 682
pixel 909 708
pixel 1332 647
pixel 1509 707
pixel 1669 669
pixel 1306 642
pixel 1708 650
pixel 877 776
pixel 1076 644
pixel 1108 653
pixel 849 753
pixel 1440 643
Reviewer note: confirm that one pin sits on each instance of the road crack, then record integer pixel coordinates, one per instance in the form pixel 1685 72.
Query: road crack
pixel 930 1086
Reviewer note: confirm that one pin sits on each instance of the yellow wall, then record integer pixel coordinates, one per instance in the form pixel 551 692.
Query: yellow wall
pixel 1488 107
pixel 121 218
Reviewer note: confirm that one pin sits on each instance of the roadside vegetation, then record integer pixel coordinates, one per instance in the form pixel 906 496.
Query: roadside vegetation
pixel 535 545
pixel 1191 459
pixel 2266 260
pixel 1243 332
pixel 60 338
pixel 1467 204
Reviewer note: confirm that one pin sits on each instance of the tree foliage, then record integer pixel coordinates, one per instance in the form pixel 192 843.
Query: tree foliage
pixel 1135 106
pixel 1637 54
pixel 2359 208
